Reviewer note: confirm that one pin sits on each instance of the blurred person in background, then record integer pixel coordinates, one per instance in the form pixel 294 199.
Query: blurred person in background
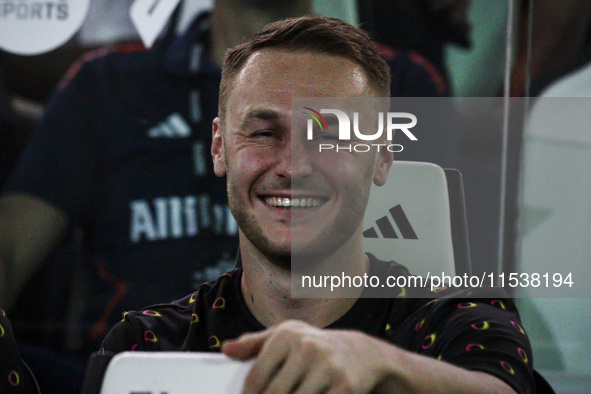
pixel 553 38
pixel 424 27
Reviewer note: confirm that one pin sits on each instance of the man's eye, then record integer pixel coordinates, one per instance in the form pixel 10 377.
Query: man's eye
pixel 264 134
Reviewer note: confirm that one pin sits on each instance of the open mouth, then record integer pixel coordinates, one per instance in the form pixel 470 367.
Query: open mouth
pixel 287 202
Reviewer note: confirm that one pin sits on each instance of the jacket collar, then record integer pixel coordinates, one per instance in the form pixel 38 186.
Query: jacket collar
pixel 187 54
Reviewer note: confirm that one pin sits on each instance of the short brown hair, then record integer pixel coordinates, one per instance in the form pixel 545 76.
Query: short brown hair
pixel 313 33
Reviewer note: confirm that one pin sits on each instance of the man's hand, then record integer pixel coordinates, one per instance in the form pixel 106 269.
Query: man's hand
pixel 297 357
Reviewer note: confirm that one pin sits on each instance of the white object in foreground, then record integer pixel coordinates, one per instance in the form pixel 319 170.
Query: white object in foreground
pixel 174 373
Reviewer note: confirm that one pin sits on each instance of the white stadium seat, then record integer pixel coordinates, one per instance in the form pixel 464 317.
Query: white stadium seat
pixel 409 220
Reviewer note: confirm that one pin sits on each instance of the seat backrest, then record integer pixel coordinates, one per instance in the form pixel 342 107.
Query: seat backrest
pixel 409 220
pixel 459 221
pixel 174 372
pixel 542 385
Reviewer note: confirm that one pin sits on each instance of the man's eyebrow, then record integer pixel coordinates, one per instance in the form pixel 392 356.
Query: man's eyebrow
pixel 259 114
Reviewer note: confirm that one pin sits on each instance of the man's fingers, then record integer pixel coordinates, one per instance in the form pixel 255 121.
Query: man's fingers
pixel 289 375
pixel 271 357
pixel 315 381
pixel 246 346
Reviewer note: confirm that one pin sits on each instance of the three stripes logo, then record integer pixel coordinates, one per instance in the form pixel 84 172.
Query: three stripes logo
pixel 384 224
pixel 173 127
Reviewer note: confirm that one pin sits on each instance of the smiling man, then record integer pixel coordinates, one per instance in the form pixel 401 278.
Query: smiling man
pixel 292 201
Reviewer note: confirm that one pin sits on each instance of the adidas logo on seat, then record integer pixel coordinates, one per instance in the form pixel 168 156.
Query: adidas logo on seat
pixel 173 127
pixel 386 228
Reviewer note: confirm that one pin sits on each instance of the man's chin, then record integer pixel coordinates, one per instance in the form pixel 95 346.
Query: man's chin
pixel 295 257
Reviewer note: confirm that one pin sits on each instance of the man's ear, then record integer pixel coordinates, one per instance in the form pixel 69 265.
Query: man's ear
pixel 217 149
pixel 382 168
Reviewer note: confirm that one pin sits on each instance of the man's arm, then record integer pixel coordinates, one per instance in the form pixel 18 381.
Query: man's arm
pixel 29 229
pixel 297 357
pixel 54 180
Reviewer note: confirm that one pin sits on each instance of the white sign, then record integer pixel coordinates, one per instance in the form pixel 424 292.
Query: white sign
pixel 32 27
pixel 150 16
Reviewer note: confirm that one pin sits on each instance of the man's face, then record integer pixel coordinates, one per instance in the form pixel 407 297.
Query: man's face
pixel 285 195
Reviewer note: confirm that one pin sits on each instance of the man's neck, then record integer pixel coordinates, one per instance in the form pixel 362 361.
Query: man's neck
pixel 233 20
pixel 266 288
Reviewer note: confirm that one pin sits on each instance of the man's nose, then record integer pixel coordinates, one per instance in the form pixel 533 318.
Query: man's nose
pixel 294 161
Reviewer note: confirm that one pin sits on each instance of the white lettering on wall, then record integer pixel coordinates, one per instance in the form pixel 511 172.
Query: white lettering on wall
pixel 177 217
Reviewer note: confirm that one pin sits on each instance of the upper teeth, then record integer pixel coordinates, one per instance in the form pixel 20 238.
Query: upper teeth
pixel 293 202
